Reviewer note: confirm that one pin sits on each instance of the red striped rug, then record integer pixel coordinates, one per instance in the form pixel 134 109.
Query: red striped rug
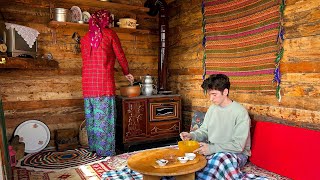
pixel 243 39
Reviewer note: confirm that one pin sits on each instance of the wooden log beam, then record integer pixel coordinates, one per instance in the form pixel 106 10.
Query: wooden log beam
pixel 301 18
pixel 300 67
pixel 34 105
pixel 99 4
pixel 28 63
pixel 186 71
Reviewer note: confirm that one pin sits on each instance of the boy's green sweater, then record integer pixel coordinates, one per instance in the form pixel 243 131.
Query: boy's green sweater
pixel 226 129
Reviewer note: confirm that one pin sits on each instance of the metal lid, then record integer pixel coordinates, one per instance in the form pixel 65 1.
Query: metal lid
pixel 61 10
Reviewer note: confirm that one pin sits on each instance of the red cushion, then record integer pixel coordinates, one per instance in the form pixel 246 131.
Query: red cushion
pixel 289 151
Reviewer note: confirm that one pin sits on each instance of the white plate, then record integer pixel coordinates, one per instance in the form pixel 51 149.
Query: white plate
pixel 85 16
pixel 76 14
pixel 35 134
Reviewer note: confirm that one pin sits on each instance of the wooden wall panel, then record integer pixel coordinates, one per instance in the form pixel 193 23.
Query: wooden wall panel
pixel 302 18
pixel 299 66
pixel 185 55
pixel 55 96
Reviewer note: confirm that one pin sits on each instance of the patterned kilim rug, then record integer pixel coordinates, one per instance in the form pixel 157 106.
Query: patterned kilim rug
pixel 95 171
pixel 243 39
pixel 91 171
pixel 50 160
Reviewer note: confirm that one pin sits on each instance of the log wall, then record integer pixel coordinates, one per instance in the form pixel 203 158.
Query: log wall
pixel 55 96
pixel 300 66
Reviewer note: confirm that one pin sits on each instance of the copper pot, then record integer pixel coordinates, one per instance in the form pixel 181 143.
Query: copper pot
pixel 130 91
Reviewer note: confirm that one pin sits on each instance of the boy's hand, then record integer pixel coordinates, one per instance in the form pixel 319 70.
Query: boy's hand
pixel 185 136
pixel 204 149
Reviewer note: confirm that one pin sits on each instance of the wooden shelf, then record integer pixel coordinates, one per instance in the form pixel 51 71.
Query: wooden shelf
pixel 56 24
pixel 27 63
pixel 102 5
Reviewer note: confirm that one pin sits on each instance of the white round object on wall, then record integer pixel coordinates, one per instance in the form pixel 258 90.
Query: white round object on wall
pixel 35 134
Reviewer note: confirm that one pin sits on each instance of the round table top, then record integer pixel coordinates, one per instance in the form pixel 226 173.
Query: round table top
pixel 145 163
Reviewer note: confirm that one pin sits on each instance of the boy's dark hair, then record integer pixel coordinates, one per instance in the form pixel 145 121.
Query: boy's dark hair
pixel 216 82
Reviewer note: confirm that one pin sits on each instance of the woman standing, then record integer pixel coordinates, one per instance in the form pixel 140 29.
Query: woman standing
pixel 100 48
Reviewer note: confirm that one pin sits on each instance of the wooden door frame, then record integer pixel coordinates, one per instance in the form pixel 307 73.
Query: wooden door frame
pixel 6 168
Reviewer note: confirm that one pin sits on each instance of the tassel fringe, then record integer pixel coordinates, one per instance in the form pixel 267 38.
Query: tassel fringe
pixel 279 55
pixel 204 42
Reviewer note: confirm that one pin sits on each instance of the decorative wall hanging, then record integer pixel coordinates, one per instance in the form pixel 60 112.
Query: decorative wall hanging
pixel 243 39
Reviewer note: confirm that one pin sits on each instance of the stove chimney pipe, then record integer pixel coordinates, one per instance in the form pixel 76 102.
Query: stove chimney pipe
pixel 161 7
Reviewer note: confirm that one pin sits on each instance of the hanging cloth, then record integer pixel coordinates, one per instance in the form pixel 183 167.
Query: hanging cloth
pixel 28 34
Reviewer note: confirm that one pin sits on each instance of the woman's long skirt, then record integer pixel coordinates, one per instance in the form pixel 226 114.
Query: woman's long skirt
pixel 100 123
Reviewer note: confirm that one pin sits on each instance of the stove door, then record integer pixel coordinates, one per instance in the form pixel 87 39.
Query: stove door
pixel 166 109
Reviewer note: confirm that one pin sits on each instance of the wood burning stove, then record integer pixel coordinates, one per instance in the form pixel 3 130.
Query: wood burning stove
pixel 147 119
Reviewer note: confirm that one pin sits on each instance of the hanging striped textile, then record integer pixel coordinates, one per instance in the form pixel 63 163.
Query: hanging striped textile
pixel 243 39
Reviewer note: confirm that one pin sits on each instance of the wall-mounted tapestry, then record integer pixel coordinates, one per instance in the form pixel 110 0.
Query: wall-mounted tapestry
pixel 243 39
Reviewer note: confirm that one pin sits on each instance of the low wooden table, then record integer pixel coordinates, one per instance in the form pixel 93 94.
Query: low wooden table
pixel 145 163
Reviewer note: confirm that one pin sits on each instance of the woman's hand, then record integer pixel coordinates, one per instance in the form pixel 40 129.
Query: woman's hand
pixel 130 78
pixel 204 149
pixel 185 136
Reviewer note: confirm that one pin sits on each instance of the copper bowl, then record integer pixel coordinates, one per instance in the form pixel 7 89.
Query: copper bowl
pixel 130 91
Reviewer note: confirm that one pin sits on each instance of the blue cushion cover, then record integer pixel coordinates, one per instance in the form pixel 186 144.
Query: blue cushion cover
pixel 197 120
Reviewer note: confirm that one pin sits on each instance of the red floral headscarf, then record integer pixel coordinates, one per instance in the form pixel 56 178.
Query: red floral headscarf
pixel 99 20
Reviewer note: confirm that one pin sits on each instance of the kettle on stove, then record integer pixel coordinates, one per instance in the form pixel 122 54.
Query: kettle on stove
pixel 147 86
